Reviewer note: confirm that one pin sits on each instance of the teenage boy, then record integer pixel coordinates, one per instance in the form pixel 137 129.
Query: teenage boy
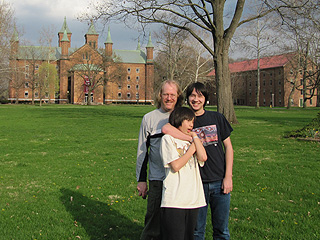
pixel 214 131
pixel 168 97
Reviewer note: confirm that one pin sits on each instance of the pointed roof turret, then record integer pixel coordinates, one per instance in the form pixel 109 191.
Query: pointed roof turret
pixel 108 37
pixel 65 26
pixel 150 45
pixel 92 30
pixel 65 37
pixel 139 46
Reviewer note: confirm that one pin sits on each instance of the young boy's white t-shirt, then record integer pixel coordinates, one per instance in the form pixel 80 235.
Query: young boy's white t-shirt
pixel 182 189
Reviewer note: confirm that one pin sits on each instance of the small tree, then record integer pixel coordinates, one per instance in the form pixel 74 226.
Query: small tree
pixel 48 81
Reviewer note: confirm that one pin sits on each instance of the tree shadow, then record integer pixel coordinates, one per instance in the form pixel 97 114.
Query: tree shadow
pixel 98 219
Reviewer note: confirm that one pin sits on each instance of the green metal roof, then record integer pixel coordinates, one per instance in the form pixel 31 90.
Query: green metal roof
pixel 65 26
pixel 92 30
pixel 108 37
pixel 41 53
pixel 85 67
pixel 131 56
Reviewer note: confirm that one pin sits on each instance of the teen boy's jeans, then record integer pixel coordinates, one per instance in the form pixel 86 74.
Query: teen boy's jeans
pixel 219 205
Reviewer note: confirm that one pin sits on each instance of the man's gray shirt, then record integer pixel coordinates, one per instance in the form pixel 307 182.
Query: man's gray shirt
pixel 150 136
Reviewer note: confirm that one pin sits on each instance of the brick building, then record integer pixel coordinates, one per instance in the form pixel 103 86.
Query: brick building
pixel 89 73
pixel 278 74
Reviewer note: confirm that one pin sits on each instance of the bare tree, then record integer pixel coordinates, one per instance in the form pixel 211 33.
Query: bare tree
pixel 301 31
pixel 6 34
pixel 256 39
pixel 190 15
pixel 114 71
pixel 180 57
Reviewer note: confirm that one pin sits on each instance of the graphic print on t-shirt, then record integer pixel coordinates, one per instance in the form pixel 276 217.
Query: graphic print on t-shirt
pixel 207 134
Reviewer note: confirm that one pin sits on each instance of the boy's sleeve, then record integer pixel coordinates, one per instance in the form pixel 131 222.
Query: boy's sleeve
pixel 168 151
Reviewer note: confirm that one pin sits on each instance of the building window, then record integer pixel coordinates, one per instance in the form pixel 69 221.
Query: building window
pixel 128 86
pixel 26 85
pixel 37 67
pixel 137 95
pixel 119 95
pixel 279 82
pixel 137 70
pixel 279 91
pixel 310 101
pixel 27 75
pixel 137 86
pixel 129 70
pixel 270 82
pixel 119 87
pixel 137 78
pixel 264 82
pixel 36 94
pixel 26 94
pixel 47 95
pixel 280 102
pixel 129 78
pixel 128 95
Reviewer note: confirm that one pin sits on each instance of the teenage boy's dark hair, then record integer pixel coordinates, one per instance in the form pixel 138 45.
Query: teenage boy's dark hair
pixel 178 115
pixel 200 88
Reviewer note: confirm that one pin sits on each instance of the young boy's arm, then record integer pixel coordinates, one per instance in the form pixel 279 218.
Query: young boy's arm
pixel 200 151
pixel 177 164
pixel 227 181
pixel 176 133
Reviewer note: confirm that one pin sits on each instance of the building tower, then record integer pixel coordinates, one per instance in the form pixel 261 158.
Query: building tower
pixel 108 44
pixel 92 36
pixel 61 33
pixel 149 70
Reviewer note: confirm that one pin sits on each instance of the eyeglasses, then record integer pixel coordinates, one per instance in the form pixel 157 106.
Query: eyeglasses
pixel 166 95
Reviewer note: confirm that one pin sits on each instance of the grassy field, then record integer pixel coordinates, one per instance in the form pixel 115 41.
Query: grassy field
pixel 68 172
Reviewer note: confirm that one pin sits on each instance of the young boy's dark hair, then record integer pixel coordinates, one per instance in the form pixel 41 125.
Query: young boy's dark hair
pixel 200 88
pixel 180 114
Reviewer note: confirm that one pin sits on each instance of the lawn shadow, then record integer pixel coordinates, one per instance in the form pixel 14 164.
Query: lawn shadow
pixel 98 219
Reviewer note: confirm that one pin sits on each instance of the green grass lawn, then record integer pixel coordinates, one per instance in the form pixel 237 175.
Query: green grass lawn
pixel 68 172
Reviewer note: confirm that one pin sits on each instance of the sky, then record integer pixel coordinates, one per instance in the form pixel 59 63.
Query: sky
pixel 34 15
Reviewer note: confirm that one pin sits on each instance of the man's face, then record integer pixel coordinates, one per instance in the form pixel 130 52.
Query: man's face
pixel 169 97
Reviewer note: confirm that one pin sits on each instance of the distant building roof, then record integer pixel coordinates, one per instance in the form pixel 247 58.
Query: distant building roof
pixel 54 53
pixel 265 63
pixel 131 56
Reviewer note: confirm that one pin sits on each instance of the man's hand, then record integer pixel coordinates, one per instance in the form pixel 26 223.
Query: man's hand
pixel 142 189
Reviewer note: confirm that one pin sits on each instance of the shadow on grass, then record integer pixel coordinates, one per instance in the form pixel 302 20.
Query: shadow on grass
pixel 98 219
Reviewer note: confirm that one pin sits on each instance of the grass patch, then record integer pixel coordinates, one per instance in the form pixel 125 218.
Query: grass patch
pixel 68 172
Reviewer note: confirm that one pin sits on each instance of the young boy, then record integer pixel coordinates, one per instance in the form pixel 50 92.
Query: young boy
pixel 182 192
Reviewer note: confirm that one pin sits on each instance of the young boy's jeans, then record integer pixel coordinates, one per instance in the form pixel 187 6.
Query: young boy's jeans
pixel 219 205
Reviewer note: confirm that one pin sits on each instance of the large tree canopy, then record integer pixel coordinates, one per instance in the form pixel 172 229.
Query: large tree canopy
pixel 192 16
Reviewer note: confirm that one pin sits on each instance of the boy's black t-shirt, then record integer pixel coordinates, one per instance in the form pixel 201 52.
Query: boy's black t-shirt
pixel 213 128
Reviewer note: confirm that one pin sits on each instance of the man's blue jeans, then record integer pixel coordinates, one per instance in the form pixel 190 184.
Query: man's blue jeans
pixel 219 205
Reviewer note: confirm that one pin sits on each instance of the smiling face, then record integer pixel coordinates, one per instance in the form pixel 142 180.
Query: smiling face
pixel 196 101
pixel 186 126
pixel 169 97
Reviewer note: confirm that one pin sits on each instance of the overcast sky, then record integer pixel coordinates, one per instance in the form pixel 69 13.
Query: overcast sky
pixel 33 15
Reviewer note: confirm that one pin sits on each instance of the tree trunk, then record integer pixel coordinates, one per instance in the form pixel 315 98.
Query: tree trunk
pixel 223 85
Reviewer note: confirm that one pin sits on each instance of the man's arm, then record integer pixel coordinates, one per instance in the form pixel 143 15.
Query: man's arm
pixel 227 181
pixel 142 160
pixel 176 133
